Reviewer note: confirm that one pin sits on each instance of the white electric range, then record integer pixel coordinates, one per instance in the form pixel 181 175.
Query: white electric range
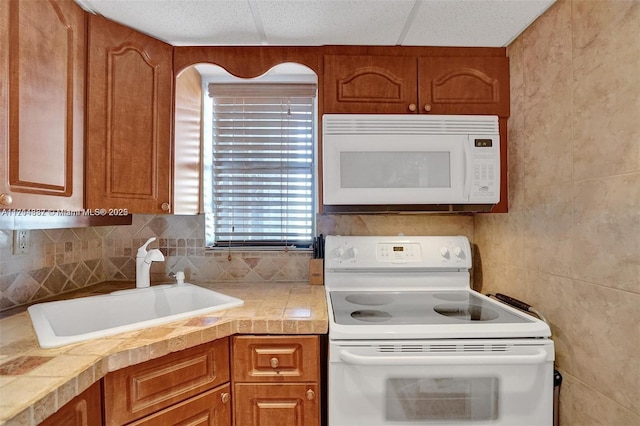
pixel 412 344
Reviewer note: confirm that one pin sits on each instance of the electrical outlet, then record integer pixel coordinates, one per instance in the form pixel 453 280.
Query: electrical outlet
pixel 20 241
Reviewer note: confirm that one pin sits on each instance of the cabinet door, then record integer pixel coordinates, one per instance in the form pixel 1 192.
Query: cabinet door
pixel 369 84
pixel 139 390
pixel 83 410
pixel 464 85
pixel 291 404
pixel 42 61
pixel 212 408
pixel 129 119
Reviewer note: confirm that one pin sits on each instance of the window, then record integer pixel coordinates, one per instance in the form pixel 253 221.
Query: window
pixel 262 168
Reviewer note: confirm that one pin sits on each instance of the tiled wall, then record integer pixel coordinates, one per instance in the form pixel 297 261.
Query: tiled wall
pixel 570 244
pixel 66 259
pixel 59 260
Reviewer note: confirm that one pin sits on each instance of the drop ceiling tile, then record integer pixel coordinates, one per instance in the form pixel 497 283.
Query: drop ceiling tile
pixel 490 23
pixel 184 22
pixel 317 22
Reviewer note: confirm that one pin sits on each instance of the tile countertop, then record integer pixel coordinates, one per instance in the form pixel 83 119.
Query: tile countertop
pixel 35 382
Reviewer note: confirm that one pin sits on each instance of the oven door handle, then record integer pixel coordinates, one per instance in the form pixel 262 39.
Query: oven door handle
pixel 537 358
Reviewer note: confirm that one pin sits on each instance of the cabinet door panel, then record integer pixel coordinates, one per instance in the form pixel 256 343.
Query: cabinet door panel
pixel 43 55
pixel 275 358
pixel 464 85
pixel 83 410
pixel 129 119
pixel 142 389
pixel 294 404
pixel 369 84
pixel 212 408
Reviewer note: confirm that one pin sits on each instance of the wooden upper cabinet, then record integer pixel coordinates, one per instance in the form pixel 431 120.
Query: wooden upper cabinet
pixel 464 85
pixel 416 84
pixel 369 84
pixel 129 119
pixel 42 92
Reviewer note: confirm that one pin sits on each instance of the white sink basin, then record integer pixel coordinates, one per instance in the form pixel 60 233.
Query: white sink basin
pixel 74 320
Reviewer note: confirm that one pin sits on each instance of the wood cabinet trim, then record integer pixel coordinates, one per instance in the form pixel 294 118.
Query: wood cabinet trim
pixel 440 95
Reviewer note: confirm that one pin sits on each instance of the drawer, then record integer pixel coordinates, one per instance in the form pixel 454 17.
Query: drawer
pixel 276 358
pixel 136 391
pixel 212 408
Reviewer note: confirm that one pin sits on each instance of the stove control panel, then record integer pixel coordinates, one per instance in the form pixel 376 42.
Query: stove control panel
pixel 393 252
pixel 417 252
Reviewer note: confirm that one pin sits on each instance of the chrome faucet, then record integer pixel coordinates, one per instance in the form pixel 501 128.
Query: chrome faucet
pixel 143 263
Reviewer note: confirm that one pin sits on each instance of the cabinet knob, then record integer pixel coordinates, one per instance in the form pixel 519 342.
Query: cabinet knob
pixel 427 107
pixel 5 199
pixel 311 395
pixel 412 107
pixel 225 397
pixel 165 207
pixel 274 362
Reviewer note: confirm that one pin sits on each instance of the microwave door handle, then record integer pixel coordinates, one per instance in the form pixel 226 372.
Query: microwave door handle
pixel 539 357
pixel 467 173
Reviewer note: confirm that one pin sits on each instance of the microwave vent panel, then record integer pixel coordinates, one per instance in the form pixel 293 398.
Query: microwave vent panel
pixel 397 124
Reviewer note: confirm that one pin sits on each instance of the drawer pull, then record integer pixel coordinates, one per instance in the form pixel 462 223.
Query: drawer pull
pixel 311 395
pixel 5 199
pixel 225 397
pixel 274 362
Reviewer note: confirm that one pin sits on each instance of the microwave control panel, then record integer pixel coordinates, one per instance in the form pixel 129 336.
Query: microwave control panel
pixel 485 170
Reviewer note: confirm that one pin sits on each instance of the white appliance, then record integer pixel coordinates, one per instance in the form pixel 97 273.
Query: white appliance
pixel 398 159
pixel 410 343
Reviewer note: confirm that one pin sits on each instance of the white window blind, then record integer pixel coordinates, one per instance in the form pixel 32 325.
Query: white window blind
pixel 262 164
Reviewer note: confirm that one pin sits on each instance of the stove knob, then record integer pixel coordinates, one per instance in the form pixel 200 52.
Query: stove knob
pixel 444 252
pixel 458 252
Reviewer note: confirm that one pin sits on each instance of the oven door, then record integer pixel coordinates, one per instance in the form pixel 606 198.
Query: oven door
pixel 447 383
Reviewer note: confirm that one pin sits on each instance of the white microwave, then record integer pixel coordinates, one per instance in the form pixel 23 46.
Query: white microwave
pixel 396 159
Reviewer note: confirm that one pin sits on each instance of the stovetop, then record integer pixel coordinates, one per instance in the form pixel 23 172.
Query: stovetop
pixel 417 307
pixel 413 287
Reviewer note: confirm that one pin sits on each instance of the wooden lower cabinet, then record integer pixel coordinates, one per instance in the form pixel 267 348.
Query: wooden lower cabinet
pixel 275 404
pixel 165 383
pixel 83 410
pixel 276 380
pixel 212 408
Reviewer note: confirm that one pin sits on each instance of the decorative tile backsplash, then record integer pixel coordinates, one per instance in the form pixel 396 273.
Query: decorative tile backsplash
pixel 59 260
pixel 65 259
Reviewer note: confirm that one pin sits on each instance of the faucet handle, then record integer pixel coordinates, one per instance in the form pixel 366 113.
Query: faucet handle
pixel 143 249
